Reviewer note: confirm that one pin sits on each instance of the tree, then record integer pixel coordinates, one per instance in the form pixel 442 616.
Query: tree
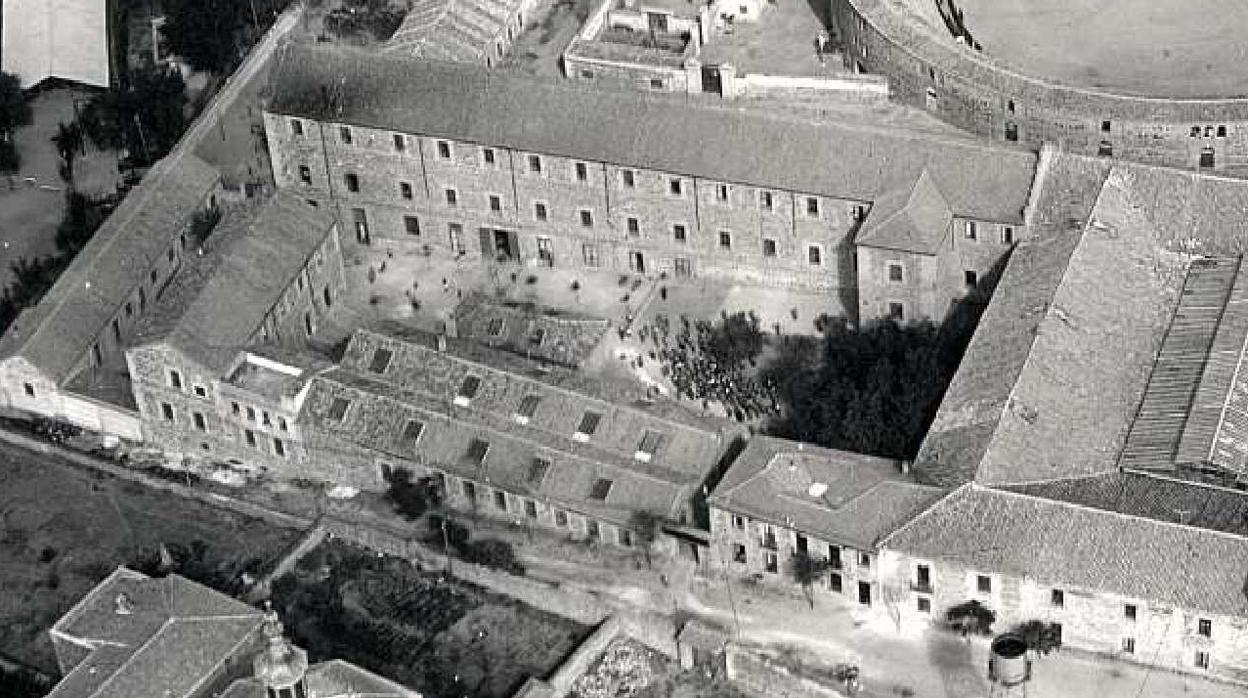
pixel 736 340
pixel 14 109
pixel 82 218
pixel 646 526
pixel 1041 638
pixel 971 617
pixel 411 498
pixel 807 570
pixel 491 552
pixel 205 32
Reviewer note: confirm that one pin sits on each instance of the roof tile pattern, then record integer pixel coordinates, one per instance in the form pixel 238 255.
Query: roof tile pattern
pixel 913 219
pixel 452 30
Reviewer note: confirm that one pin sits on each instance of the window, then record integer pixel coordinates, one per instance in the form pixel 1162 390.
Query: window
pixel 539 211
pixel 814 255
pixel 175 380
pixel 769 247
pixel 400 144
pixel 923 578
pixel 725 240
pixel 738 553
pixel 649 446
pixel 675 187
pixel 537 471
pixel 279 448
pixel 452 197
pixel 468 389
pixel 495 326
pixel 1128 645
pixel 591 528
pixel 251 414
pixel 281 423
pixel 561 518
pixel 587 218
pixel 589 255
pixel 1195 132
pixel 444 150
pixel 1007 235
pixel 970 278
pixel 772 563
pixel 628 178
pixel 353 182
pixel 656 83
pixel 836 583
pixel 29 389
pixel 166 411
pixel 305 174
pixel 582 172
pixel 152 276
pixel 496 203
pixel 411 433
pixel 721 192
pixel 1057 598
pixel 527 408
pixel 337 410
pixel 864 560
pixel 1105 149
pixel 1204 627
pixel 411 224
pixel 625 537
pixel 983 584
pixel 896 272
pixel 587 426
pixel 470 492
pixel 679 232
pixel 129 309
pixel 923 604
pixel 682 267
pixel 500 500
pixel 1129 611
pixel 1202 659
pixel 198 419
pixel 530 508
pixel 325 295
pixel 738 522
pixel 200 391
pixel 600 490
pixel 859 213
pixel 634 227
pixel 250 436
pixel 1106 126
pixel 535 164
pixel 344 133
pixel 405 190
pixel 265 419
pixel 477 450
pixel 116 331
pixel 296 127
pixel 812 207
pixel 1221 132
pixel 834 557
pixel 971 230
pixel 766 201
pixel 1011 131
pixel 1208 132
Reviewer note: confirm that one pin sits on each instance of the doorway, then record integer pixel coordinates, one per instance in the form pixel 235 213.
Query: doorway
pixel 864 593
pixel 1206 158
pixel 637 262
pixel 710 79
pixel 545 252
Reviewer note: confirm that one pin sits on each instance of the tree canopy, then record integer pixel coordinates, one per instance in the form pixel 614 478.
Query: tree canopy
pixel 14 109
pixel 209 34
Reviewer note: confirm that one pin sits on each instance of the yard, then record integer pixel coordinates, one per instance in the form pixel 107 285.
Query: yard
pixel 439 636
pixel 62 530
pixel 629 669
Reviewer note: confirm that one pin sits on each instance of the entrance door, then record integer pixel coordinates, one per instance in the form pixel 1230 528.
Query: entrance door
pixel 456 233
pixel 545 253
pixel 1206 157
pixel 710 79
pixel 864 593
pixel 637 262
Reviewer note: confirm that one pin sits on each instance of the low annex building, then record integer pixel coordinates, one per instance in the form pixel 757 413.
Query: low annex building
pixel 473 31
pixel 505 167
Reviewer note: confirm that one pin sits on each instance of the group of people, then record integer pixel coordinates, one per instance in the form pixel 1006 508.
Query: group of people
pixel 698 371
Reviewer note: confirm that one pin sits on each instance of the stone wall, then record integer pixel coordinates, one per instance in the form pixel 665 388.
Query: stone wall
pixel 760 676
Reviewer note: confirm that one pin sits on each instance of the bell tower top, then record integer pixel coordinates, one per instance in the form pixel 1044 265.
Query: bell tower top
pixel 279 665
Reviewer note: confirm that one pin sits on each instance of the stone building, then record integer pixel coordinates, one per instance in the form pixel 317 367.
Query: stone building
pixel 473 31
pixel 570 177
pixel 510 439
pixel 265 278
pixel 781 498
pixel 64 357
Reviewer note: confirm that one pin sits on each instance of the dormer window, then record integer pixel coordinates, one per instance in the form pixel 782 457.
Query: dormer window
pixel 537 471
pixel 477 450
pixel 444 150
pixel 649 446
pixel 411 433
pixel 588 425
pixel 381 361
pixel 526 409
pixel 337 409
pixel 600 490
pixel 467 390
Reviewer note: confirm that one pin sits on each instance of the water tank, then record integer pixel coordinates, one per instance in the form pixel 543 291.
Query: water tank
pixel 1008 664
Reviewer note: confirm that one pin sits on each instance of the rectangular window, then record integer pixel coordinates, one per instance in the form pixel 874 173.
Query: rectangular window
pixel 561 518
pixel 539 211
pixel 649 446
pixel 281 423
pixel 766 201
pixel 1202 659
pixel 587 218
pixel 634 227
pixel 251 414
pixel 444 150
pixel 587 426
pixel 411 224
pixel 769 248
pixel 495 327
pixel 721 192
pixel 971 230
pixel 400 144
pixel 923 604
pixel 530 508
pixel 411 433
pixel 166 411
pixel 738 522
pixel 1057 598
pixel 589 255
pixel 625 537
pixel 526 409
pixel 175 380
pixel 896 272
pixel 470 492
pixel 250 436
pixel 344 133
pixel 500 500
pixel 352 181
pixel 337 410
pixel 812 207
pixel 834 557
pixel 679 232
pixel 814 255
pixel 198 419
pixel 656 83
pixel 1129 611
pixel 405 190
pixel 582 172
pixel 772 563
pixel 537 471
pixel 535 164
pixel 279 448
pixel 305 174
pixel 628 178
pixel 29 389
pixel 591 529
pixel 477 450
pixel 600 490
pixel 983 584
pixel 452 197
pixel 296 127
pixel 738 553
pixel 682 267
pixel 675 187
pixel 1204 627
pixel 468 389
pixel 725 240
pixel 864 560
pixel 836 583
pixel 923 578
pixel 487 156
pixel 1007 235
pixel 496 203
pixel 970 278
pixel 1128 645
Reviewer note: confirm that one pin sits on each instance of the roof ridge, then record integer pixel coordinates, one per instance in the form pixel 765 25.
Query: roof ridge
pixel 959 491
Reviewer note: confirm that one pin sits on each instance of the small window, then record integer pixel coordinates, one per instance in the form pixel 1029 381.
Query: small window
pixel 1221 132
pixel 495 327
pixel 587 74
pixel 1128 645
pixel 582 172
pixel 535 164
pixel 835 583
pixel 344 133
pixel 634 226
pixel 353 182
pixel 769 247
pixel 1202 659
pixel 656 83
pixel 864 560
pixel 452 197
pixel 296 127
pixel 470 491
pixel 1195 132
pixel 200 391
pixel 281 423
pixel 970 278
pixel 896 311
pixel 814 255
pixel 923 604
pixel 198 419
pixel 487 156
pixel 337 409
pixel 675 187
pixel 1106 126
pixel 738 553
pixel 628 178
pixel 1057 598
pixel 561 518
pixel 721 192
pixel 587 218
pixel 600 490
pixel 175 380
pixel 649 446
pixel 530 508
pixel 983 584
pixel 1129 611
pixel 411 224
pixel 812 206
pixel 405 190
pixel 152 276
pixel 725 240
pixel 400 143
pixel 250 436
pixel 444 150
pixel 896 272
pixel 496 203
pixel 772 563
pixel 477 450
pixel 305 174
pixel 1204 627
pixel 539 211
pixel 538 468
pixel 1007 235
pixel 279 448
pixel 589 255
pixel 766 200
pixel 587 426
pixel 1208 132
pixel 29 389
pixel 500 500
pixel 411 433
pixel 527 407
pixel 625 537
pixel 970 230
pixel 468 389
pixel 166 411
pixel 251 414
pixel 738 522
pixel 679 232
pixel 591 529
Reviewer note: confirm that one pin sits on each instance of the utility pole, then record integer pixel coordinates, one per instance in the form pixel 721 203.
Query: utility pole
pixel 446 546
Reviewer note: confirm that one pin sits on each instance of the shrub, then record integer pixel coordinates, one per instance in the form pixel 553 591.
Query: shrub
pixel 412 498
pixel 971 617
pixel 1041 637
pixel 494 553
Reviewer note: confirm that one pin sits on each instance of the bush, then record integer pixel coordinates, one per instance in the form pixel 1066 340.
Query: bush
pixel 494 553
pixel 456 533
pixel 1041 637
pixel 971 617
pixel 412 498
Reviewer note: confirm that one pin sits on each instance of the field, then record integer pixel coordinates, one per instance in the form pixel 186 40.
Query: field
pixel 1170 48
pixel 62 530
pixel 441 637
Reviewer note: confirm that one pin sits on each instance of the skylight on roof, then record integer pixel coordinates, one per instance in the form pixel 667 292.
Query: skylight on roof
pixel 601 488
pixel 588 425
pixel 338 408
pixel 526 409
pixel 649 445
pixel 381 361
pixel 477 450
pixel 467 390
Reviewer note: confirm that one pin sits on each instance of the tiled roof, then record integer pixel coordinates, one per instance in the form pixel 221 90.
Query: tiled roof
pixel 421 384
pixel 840 497
pixel 563 339
pixel 332 679
pixel 455 30
pixel 175 634
pixel 57 333
pixel 1064 545
pixel 915 218
pixel 683 135
pixel 211 316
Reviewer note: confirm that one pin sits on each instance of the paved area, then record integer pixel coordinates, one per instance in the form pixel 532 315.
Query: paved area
pixel 780 42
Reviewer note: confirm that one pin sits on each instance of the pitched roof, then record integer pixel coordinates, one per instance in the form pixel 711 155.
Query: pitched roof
pixel 332 679
pixel 56 334
pixel 1064 545
pixel 174 636
pixel 563 338
pixel 840 497
pixel 915 218
pixel 209 316
pixel 454 30
pixel 678 134
pixel 66 39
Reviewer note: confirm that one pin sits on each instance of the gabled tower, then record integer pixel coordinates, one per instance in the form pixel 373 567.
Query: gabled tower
pixel 280 666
